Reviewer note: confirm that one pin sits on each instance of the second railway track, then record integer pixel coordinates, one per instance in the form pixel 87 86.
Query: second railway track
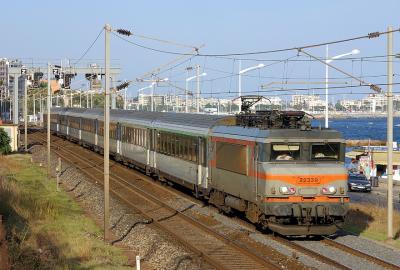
pixel 215 248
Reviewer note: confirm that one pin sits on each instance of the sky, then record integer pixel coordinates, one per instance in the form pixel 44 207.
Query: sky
pixel 42 31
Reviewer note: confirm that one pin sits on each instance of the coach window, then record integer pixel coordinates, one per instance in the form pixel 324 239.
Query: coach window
pixel 144 137
pixel 194 150
pixel 285 152
pixel 101 128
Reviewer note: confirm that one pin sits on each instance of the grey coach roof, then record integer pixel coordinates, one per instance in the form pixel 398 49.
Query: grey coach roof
pixel 202 121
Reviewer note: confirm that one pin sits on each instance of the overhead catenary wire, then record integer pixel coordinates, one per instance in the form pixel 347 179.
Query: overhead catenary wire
pixel 129 33
pixel 296 48
pixel 309 88
pixel 89 48
pixel 290 94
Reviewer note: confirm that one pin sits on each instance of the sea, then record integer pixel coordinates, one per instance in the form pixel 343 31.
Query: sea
pixel 362 128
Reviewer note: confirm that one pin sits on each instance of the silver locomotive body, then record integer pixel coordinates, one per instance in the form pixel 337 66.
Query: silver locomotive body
pixel 290 180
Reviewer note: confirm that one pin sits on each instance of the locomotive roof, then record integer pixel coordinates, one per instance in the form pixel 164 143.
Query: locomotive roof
pixel 237 132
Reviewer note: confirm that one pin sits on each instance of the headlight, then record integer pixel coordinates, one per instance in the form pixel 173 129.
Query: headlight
pixel 353 184
pixel 287 190
pixel 329 190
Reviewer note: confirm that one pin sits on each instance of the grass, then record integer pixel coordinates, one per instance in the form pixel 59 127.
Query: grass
pixel 370 221
pixel 46 229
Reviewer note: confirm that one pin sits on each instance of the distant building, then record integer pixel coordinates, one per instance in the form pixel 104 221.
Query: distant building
pixel 145 100
pixel 276 101
pixel 13 64
pixel 4 77
pixel 311 102
pixel 351 105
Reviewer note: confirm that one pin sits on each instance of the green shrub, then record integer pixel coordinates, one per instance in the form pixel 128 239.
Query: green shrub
pixel 5 140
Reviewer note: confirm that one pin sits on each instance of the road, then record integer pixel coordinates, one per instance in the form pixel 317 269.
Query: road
pixel 378 196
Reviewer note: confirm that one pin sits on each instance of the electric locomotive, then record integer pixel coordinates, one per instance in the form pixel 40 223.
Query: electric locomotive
pixel 273 166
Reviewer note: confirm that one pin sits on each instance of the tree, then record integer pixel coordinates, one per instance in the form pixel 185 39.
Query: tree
pixel 5 140
pixel 339 107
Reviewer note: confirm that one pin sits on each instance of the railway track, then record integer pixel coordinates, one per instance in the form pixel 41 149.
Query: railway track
pixel 215 248
pixel 359 254
pixel 309 252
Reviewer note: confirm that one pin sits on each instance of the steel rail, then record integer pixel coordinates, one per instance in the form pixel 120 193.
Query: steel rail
pixel 359 253
pixel 151 198
pixel 310 252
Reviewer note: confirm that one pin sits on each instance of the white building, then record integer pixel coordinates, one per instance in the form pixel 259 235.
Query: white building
pixel 352 105
pixel 145 100
pixel 376 102
pixel 276 101
pixel 4 76
pixel 307 101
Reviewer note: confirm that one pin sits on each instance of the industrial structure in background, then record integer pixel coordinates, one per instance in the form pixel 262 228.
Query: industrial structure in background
pixel 65 94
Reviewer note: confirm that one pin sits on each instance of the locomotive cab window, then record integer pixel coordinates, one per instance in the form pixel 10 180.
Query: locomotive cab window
pixel 325 151
pixel 285 152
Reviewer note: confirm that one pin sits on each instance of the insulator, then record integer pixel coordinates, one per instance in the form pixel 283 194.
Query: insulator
pixel 375 88
pixel 122 86
pixel 374 35
pixel 124 32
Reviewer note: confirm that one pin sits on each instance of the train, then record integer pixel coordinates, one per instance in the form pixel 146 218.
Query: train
pixel 271 167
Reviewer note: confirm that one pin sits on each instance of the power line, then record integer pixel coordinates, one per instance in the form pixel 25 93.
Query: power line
pixel 361 58
pixel 368 36
pixel 293 78
pixel 159 40
pixel 88 49
pixel 149 48
pixel 304 89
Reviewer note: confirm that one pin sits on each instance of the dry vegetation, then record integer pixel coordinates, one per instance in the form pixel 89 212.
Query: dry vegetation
pixel 46 229
pixel 371 221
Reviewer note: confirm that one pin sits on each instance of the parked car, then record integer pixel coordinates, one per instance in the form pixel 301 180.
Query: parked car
pixel 358 182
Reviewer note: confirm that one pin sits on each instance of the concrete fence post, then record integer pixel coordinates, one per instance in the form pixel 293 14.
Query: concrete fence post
pixel 138 262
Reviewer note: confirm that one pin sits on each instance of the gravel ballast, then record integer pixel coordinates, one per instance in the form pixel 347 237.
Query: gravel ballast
pixel 155 248
pixel 162 252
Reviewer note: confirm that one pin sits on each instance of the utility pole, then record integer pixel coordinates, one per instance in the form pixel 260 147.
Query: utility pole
pixel 198 88
pixel 326 87
pixel 25 113
pixel 240 85
pixel 125 99
pixel 72 103
pixel 34 108
pixel 390 131
pixel 48 119
pixel 186 94
pixel 106 134
pixel 40 108
pixel 152 97
pixel 91 91
pixel 15 103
